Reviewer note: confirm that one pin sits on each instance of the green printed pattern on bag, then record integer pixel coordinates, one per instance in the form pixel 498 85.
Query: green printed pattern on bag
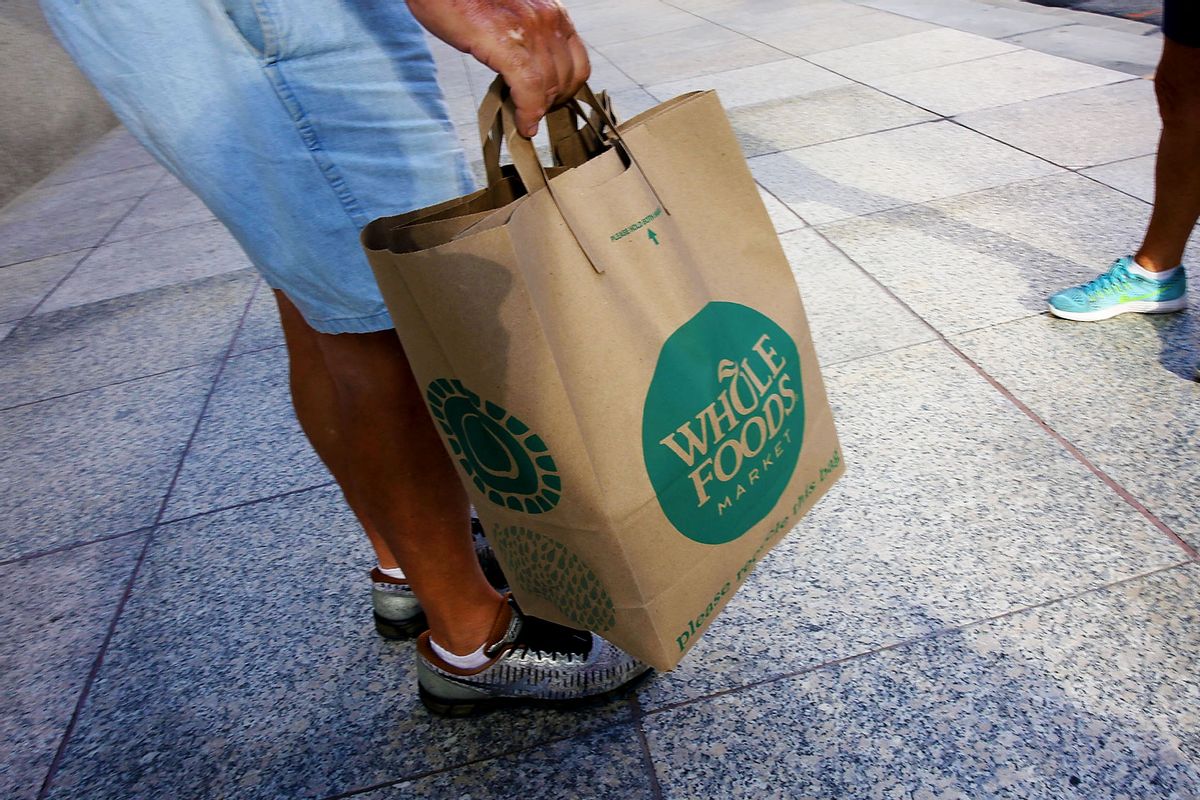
pixel 546 568
pixel 505 460
pixel 723 422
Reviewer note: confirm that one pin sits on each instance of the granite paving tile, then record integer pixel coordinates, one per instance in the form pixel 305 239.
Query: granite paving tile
pixel 80 467
pixel 1093 698
pixel 168 181
pixel 846 178
pixel 843 331
pixel 755 18
pixel 606 75
pixel 700 50
pixel 1112 123
pixel 222 681
pixel 64 198
pixel 606 764
pixel 995 81
pixel 776 80
pixel 22 286
pixel 835 33
pixel 123 338
pixel 626 22
pixel 1014 246
pixel 1132 53
pixel 150 262
pixel 1120 391
pixel 34 237
pixel 698 35
pixel 819 117
pixel 593 16
pixel 260 327
pixel 116 151
pixel 629 102
pixel 956 506
pixel 161 210
pixel 1133 176
pixel 782 217
pixel 54 612
pixel 249 445
pixel 983 19
pixel 912 53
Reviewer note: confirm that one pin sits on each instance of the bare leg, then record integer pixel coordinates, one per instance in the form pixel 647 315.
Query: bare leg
pixel 1177 170
pixel 359 405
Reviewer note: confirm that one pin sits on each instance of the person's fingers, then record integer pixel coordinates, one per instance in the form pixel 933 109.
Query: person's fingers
pixel 582 65
pixel 532 91
pixel 564 69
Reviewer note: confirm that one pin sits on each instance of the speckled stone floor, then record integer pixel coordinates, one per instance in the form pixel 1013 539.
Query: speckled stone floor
pixel 999 600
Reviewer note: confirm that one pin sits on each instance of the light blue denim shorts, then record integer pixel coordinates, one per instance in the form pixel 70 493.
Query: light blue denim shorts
pixel 296 121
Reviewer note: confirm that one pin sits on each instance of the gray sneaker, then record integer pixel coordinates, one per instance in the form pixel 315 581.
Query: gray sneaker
pixel 398 613
pixel 534 662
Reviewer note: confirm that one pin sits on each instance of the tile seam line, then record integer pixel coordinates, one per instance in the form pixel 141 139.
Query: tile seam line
pixel 122 382
pixel 246 503
pixel 639 715
pixel 82 251
pixel 43 185
pixel 820 227
pixel 928 637
pixel 1064 21
pixel 127 592
pixel 90 251
pixel 66 548
pixel 1121 492
pixel 429 773
pixel 805 58
pixel 933 23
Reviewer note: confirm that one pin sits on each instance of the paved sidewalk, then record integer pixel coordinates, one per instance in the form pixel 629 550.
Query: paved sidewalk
pixel 997 601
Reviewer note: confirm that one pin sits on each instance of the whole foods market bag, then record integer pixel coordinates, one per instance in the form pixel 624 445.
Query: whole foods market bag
pixel 620 366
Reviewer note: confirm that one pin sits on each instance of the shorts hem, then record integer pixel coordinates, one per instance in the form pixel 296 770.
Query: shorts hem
pixel 372 324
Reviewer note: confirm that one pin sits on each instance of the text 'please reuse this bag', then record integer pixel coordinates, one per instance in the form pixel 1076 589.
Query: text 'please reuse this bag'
pixel 619 364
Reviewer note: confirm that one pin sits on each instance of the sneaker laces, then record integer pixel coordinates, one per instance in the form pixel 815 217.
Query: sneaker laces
pixel 544 639
pixel 1108 282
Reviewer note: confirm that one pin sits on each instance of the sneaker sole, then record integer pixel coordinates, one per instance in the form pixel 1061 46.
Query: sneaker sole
pixel 1139 307
pixel 401 629
pixel 472 708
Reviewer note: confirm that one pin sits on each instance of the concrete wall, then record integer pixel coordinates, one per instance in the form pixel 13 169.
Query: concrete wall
pixel 48 110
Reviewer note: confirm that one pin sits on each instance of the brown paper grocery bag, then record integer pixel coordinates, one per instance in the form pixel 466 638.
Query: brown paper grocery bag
pixel 621 368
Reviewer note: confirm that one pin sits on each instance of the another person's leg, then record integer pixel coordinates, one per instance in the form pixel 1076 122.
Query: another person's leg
pixel 1177 170
pixel 1153 280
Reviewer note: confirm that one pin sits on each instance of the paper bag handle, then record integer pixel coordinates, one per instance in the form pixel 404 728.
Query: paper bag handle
pixel 558 123
pixel 525 157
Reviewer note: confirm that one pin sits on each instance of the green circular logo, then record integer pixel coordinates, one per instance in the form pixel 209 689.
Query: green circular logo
pixel 506 461
pixel 723 422
pixel 541 566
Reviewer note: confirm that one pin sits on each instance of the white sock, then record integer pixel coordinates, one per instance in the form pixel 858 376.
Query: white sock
pixel 1142 272
pixel 469 661
pixel 394 572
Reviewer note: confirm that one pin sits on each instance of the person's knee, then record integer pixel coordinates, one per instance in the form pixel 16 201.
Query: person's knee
pixel 1177 86
pixel 370 371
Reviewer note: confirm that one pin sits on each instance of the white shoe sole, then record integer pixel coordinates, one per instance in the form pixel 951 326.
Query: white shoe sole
pixel 1139 307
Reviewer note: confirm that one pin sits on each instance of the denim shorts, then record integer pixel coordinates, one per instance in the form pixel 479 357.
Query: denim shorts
pixel 296 121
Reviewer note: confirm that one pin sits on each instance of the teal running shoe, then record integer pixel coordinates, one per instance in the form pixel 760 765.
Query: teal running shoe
pixel 1119 291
